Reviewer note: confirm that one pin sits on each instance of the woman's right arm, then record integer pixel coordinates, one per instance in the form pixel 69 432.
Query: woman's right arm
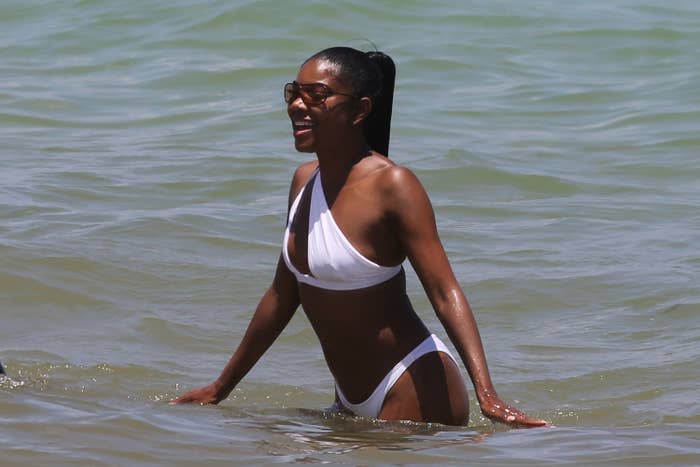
pixel 273 313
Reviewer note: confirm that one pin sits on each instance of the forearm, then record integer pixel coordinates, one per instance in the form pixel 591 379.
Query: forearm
pixel 269 320
pixel 458 320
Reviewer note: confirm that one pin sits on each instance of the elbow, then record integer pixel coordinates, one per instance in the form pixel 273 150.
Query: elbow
pixel 447 302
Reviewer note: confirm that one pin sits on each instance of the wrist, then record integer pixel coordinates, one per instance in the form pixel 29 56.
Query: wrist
pixel 222 389
pixel 485 395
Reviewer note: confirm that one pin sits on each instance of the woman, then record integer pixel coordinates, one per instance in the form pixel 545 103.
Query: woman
pixel 354 217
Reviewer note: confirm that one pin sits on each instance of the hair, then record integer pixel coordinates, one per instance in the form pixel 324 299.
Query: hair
pixel 370 74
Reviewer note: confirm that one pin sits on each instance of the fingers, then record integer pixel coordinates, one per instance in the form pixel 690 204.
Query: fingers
pixel 185 398
pixel 202 396
pixel 510 415
pixel 189 397
pixel 519 418
pixel 527 422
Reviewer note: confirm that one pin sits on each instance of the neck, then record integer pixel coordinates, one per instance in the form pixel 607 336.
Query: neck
pixel 335 163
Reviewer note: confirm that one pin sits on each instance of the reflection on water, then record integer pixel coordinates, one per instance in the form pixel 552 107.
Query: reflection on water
pixel 304 434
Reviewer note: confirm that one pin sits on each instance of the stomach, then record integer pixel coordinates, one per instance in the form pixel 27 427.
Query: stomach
pixel 363 333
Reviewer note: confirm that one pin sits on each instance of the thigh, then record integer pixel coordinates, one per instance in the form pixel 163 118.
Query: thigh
pixel 430 390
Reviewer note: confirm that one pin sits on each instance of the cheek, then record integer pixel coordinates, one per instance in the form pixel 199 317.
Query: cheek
pixel 340 117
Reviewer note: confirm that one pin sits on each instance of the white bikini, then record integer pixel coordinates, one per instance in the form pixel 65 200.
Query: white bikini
pixel 333 262
pixel 336 265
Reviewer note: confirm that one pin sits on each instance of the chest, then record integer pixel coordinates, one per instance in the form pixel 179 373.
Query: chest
pixel 348 234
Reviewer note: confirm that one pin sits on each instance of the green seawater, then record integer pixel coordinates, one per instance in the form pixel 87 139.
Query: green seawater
pixel 144 168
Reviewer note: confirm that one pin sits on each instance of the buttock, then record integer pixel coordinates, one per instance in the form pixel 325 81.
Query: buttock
pixel 425 362
pixel 432 389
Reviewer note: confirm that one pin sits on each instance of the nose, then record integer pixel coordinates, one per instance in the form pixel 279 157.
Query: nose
pixel 296 104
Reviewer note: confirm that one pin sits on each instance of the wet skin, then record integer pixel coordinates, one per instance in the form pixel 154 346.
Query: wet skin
pixel 386 215
pixel 364 332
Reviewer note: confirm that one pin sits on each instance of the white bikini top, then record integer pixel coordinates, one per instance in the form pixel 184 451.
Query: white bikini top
pixel 333 262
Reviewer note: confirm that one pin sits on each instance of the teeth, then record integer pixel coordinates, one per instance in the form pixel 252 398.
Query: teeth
pixel 304 123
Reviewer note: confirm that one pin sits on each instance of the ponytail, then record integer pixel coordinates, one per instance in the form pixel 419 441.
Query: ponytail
pixel 377 127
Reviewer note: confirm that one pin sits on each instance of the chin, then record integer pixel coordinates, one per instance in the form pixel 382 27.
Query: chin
pixel 303 147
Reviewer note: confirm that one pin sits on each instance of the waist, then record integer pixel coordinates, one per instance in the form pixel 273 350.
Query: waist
pixel 363 314
pixel 363 364
pixel 363 333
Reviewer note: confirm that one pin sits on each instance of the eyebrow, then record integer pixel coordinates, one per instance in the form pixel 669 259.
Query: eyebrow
pixel 316 83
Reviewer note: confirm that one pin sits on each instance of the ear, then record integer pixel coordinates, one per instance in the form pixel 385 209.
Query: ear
pixel 364 108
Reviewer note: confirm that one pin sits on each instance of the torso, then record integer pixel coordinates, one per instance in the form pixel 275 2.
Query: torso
pixel 363 332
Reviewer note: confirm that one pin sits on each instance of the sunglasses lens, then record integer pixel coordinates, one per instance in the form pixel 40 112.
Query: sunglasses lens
pixel 314 94
pixel 313 97
pixel 290 92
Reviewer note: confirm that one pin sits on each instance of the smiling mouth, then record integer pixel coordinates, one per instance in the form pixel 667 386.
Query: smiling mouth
pixel 302 127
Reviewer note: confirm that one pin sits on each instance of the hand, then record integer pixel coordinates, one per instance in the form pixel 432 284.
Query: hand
pixel 499 411
pixel 205 395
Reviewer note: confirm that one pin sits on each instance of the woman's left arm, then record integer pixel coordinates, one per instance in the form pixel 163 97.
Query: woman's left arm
pixel 412 216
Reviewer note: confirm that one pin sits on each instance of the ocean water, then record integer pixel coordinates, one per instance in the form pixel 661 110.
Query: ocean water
pixel 144 168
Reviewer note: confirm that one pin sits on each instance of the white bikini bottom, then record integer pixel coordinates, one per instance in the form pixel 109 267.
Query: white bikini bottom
pixel 373 404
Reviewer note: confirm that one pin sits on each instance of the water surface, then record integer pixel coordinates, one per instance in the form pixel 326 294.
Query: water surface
pixel 145 165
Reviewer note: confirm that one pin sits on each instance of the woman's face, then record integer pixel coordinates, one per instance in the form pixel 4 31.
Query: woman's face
pixel 322 111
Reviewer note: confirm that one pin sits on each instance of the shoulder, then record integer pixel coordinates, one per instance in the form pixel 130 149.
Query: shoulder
pixel 300 177
pixel 400 184
pixel 303 173
pixel 404 198
pixel 387 177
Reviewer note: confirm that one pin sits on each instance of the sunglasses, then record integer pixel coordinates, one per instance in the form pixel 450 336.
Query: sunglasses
pixel 311 94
